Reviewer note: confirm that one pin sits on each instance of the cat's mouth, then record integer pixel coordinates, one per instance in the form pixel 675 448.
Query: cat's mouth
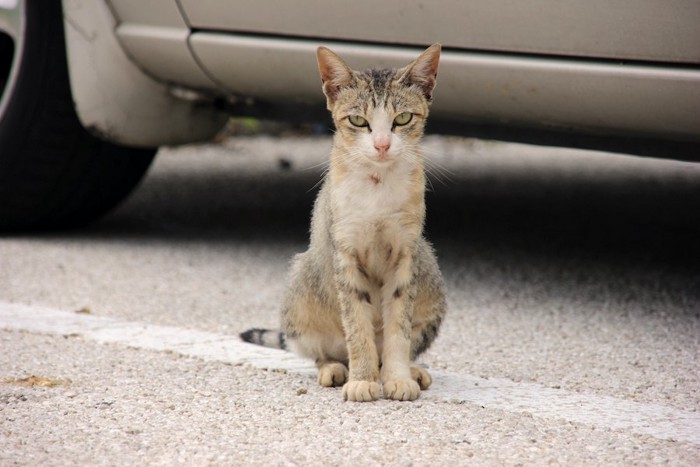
pixel 382 159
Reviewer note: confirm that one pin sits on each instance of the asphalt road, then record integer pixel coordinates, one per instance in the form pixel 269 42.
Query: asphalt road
pixel 569 274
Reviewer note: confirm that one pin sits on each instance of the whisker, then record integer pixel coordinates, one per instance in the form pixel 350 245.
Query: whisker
pixel 443 175
pixel 431 187
pixel 433 168
pixel 325 163
pixel 320 181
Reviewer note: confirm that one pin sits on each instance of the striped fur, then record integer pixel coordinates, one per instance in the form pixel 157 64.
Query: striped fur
pixel 265 337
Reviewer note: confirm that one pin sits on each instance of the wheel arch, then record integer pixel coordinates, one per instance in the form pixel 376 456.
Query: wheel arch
pixel 114 99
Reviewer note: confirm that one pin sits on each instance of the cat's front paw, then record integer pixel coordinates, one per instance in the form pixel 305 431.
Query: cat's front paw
pixel 361 391
pixel 401 390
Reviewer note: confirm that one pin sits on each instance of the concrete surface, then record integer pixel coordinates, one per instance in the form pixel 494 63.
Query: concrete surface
pixel 567 271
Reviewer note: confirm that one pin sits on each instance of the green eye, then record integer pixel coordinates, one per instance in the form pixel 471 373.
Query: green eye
pixel 403 118
pixel 357 120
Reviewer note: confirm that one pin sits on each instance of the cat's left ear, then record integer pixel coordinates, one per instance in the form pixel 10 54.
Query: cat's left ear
pixel 423 71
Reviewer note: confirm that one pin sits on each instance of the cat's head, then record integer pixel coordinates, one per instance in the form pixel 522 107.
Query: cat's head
pixel 379 114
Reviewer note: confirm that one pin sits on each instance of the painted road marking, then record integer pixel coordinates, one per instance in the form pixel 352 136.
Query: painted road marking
pixel 608 412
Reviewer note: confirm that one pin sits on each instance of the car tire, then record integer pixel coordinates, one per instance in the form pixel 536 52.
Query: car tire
pixel 53 173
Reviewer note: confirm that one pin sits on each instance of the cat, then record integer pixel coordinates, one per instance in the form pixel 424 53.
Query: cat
pixel 367 297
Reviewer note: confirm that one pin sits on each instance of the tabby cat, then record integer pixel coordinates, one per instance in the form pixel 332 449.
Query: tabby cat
pixel 367 297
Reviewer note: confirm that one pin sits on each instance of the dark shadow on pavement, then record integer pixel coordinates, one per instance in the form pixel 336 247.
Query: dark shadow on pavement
pixel 537 224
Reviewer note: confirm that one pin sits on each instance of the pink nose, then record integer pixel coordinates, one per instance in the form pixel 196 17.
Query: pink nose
pixel 382 144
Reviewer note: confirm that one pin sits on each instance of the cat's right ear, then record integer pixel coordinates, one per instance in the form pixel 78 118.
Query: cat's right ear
pixel 335 73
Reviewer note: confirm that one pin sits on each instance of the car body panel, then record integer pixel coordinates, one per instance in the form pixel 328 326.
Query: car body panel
pixel 487 88
pixel 160 50
pixel 647 30
pixel 154 34
pixel 159 13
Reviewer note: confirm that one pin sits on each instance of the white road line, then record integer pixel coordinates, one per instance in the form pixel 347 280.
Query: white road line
pixel 607 412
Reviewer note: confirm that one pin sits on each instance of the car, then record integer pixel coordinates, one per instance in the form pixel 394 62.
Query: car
pixel 91 88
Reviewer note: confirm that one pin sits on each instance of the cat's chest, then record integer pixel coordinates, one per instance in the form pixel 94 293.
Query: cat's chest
pixel 372 214
pixel 364 199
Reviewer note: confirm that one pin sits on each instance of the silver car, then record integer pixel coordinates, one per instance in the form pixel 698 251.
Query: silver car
pixel 90 88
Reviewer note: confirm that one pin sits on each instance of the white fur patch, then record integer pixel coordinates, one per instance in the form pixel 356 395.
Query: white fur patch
pixel 366 196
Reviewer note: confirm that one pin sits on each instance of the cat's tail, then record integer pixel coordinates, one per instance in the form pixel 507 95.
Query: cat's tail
pixel 266 337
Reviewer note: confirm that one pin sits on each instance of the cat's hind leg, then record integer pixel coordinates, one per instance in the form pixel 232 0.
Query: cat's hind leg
pixel 421 376
pixel 312 324
pixel 428 312
pixel 331 374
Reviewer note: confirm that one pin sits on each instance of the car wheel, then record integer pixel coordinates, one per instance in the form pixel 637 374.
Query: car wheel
pixel 53 173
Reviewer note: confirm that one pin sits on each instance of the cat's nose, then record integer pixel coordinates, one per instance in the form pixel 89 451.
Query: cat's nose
pixel 382 143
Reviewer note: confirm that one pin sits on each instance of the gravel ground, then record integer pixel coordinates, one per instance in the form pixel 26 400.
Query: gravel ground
pixel 565 268
pixel 126 408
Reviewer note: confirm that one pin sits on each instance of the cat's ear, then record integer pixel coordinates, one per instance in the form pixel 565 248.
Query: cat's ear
pixel 335 73
pixel 423 71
